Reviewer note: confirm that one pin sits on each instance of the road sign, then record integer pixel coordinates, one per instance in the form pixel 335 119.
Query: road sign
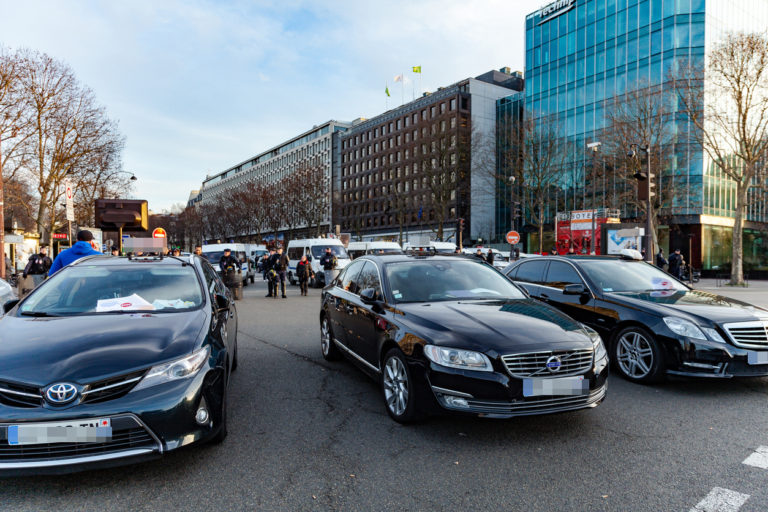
pixel 158 233
pixel 70 193
pixel 513 237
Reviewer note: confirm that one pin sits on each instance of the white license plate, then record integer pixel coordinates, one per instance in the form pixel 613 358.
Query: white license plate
pixel 77 431
pixel 757 357
pixel 564 386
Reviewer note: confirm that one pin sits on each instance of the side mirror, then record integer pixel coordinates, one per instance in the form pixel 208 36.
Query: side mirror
pixel 369 296
pixel 222 301
pixel 575 289
pixel 309 258
pixel 10 305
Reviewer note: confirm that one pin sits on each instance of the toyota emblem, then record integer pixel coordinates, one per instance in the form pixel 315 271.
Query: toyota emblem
pixel 553 364
pixel 61 393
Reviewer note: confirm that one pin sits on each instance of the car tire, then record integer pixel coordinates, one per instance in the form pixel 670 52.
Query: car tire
pixel 397 389
pixel 638 356
pixel 329 349
pixel 221 435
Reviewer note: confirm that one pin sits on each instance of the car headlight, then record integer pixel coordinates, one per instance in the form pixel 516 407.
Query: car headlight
pixel 175 370
pixel 684 328
pixel 713 334
pixel 597 343
pixel 455 358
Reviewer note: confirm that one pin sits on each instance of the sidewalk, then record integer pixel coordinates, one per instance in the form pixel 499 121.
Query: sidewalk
pixel 757 293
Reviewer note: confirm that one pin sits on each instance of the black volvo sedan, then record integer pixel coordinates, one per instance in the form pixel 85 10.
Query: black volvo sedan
pixel 654 325
pixel 113 361
pixel 447 334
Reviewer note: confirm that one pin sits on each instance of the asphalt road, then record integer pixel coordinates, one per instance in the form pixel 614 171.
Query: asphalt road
pixel 310 435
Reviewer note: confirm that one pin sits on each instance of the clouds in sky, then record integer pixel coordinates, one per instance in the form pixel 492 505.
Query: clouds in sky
pixel 200 86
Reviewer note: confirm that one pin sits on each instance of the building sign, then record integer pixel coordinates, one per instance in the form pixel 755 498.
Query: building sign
pixel 555 9
pixel 581 220
pixel 59 236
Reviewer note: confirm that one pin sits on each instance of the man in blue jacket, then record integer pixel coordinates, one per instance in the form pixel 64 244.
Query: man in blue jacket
pixel 80 250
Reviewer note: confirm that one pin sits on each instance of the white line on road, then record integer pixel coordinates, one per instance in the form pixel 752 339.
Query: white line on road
pixel 759 459
pixel 721 500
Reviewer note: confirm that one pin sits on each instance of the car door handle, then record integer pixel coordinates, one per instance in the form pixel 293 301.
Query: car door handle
pixel 544 297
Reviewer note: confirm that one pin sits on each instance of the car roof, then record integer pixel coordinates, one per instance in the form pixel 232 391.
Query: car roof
pixel 395 258
pixel 114 261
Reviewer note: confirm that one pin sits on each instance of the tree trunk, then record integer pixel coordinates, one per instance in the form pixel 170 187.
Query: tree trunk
pixel 737 263
pixel 541 237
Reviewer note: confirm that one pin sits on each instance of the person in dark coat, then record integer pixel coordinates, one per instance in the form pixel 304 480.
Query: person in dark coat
pixel 676 264
pixel 280 265
pixel 479 255
pixel 38 264
pixel 304 273
pixel 490 257
pixel 660 259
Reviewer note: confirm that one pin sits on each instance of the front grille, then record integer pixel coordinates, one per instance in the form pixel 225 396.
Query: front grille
pixel 19 395
pixel 112 388
pixel 533 405
pixel 121 440
pixel 749 334
pixel 744 369
pixel 534 364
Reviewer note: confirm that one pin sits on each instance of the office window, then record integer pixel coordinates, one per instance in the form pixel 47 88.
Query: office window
pixel 432 111
pixel 453 104
pixel 397 125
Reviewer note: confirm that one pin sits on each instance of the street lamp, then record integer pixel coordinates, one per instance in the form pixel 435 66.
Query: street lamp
pixel 595 147
pixel 512 202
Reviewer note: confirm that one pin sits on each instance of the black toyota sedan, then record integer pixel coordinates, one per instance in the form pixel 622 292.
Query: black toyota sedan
pixel 448 334
pixel 653 325
pixel 113 361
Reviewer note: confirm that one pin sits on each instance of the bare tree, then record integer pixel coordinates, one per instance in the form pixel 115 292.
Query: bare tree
pixel 313 200
pixel 726 100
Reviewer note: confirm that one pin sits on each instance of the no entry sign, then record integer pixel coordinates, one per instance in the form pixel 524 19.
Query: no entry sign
pixel 158 233
pixel 513 237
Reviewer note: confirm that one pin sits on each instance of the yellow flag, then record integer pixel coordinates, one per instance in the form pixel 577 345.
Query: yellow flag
pixel 417 69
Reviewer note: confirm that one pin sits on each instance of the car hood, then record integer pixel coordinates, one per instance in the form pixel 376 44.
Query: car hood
pixel 39 351
pixel 491 325
pixel 703 305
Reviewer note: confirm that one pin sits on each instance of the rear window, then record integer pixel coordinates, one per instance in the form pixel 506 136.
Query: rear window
pixel 319 250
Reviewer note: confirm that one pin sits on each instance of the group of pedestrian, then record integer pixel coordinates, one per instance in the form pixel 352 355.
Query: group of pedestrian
pixel 675 265
pixel 275 268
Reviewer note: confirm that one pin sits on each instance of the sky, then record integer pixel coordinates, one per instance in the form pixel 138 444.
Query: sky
pixel 200 86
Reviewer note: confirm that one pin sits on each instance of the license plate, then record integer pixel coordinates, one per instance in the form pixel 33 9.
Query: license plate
pixel 78 431
pixel 757 357
pixel 564 386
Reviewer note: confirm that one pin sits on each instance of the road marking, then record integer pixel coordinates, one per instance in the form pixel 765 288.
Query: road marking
pixel 721 500
pixel 759 459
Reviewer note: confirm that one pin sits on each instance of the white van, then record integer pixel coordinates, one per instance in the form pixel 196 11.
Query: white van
pixel 214 252
pixel 314 249
pixel 257 252
pixel 357 249
pixel 449 247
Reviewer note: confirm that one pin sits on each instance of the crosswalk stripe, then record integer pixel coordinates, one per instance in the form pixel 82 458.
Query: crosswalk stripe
pixel 721 500
pixel 759 459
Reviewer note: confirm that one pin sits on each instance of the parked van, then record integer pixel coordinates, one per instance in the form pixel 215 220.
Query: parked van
pixel 314 249
pixel 437 246
pixel 357 249
pixel 214 253
pixel 257 252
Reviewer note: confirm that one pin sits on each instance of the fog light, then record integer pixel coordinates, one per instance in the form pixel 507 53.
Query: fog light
pixel 456 401
pixel 202 416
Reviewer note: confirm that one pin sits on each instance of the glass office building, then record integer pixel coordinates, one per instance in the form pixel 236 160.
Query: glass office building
pixel 581 53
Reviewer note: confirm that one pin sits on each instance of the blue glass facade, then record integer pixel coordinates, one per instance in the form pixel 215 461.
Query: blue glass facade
pixel 582 53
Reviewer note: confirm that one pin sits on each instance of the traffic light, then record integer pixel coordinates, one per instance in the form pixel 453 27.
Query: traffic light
pixel 516 213
pixel 461 224
pixel 645 185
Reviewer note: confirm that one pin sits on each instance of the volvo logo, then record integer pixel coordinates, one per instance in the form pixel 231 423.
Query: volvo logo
pixel 554 363
pixel 61 393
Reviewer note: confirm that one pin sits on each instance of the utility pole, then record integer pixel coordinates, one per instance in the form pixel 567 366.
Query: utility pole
pixel 595 147
pixel 2 219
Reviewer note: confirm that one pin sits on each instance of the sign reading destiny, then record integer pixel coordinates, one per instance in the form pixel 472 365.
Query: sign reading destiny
pixel 555 9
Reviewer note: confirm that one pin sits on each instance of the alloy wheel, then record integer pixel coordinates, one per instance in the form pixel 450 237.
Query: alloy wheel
pixel 635 355
pixel 325 337
pixel 396 386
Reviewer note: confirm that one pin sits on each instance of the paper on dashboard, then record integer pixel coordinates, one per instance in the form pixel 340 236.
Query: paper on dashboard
pixel 132 302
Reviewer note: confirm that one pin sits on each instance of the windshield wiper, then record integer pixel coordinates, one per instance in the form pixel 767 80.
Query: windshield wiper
pixel 37 313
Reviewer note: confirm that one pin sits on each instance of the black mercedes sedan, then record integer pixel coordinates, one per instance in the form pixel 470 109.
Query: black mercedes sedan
pixel 114 361
pixel 449 334
pixel 653 325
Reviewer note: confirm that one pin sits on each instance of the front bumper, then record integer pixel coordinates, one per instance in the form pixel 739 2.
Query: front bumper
pixel 708 359
pixel 145 425
pixel 496 394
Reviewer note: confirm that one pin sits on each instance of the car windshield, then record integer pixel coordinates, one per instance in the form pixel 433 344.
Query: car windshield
pixel 338 250
pixel 429 280
pixel 214 257
pixel 99 290
pixel 628 276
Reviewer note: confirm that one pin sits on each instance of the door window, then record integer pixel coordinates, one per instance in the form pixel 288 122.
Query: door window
pixel 561 274
pixel 349 279
pixel 295 253
pixel 369 278
pixel 210 278
pixel 531 272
